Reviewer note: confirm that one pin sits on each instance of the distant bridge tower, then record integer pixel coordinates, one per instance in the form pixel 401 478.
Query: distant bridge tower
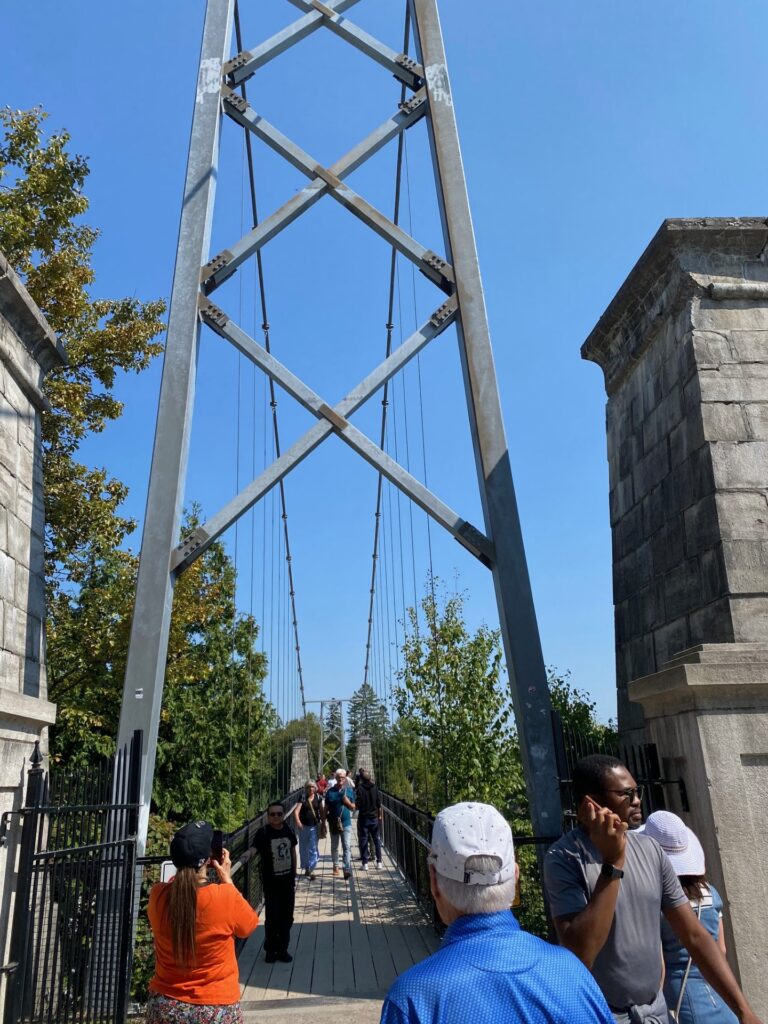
pixel 426 93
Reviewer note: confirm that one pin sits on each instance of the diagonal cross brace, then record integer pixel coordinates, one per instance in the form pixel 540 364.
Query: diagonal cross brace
pixel 331 420
pixel 322 15
pixel 226 263
pixel 439 271
pixel 245 64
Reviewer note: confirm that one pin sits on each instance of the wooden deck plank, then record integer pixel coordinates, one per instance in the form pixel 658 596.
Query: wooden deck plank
pixel 350 940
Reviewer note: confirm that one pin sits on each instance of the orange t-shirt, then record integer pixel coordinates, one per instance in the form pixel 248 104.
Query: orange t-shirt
pixel 222 913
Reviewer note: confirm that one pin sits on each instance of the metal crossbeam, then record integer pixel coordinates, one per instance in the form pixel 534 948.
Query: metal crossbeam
pixel 330 420
pixel 225 263
pixel 465 533
pixel 428 262
pixel 321 15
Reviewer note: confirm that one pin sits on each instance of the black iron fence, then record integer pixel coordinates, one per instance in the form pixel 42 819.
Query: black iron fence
pixel 70 948
pixel 641 759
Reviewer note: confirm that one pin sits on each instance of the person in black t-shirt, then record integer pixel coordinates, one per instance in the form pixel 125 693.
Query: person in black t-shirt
pixel 308 815
pixel 276 845
pixel 369 819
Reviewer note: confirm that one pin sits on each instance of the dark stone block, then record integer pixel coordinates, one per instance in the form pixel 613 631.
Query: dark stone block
pixel 678 489
pixel 635 659
pixel 653 511
pixel 682 588
pixel 702 526
pixel 628 532
pixel 668 546
pixel 670 640
pixel 712 624
pixel 714 583
pixel 651 469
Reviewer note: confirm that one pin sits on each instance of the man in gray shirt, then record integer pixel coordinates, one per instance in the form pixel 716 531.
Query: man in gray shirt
pixel 607 887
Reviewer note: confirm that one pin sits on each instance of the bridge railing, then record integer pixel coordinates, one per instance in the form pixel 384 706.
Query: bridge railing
pixel 407 833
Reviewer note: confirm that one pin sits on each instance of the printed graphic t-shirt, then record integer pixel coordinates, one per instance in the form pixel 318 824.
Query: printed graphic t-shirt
pixel 274 847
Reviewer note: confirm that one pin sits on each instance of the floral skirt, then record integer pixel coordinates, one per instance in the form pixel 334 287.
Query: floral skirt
pixel 162 1010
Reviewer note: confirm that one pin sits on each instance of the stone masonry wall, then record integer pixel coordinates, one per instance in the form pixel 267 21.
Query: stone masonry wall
pixel 28 348
pixel 685 354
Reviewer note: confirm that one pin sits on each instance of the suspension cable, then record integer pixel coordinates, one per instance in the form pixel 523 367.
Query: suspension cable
pixel 273 400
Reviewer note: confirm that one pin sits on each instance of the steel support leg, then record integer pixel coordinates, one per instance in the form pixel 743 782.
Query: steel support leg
pixel 525 664
pixel 148 646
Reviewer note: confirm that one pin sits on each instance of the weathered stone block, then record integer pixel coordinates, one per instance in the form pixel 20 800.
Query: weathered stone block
pixel 9 446
pixel 18 540
pixel 733 315
pixel 714 583
pixel 711 349
pixel 749 346
pixel 757 418
pixel 635 659
pixel 717 386
pixel 750 618
pixel 671 639
pixel 724 422
pixel 746 566
pixel 667 414
pixel 742 515
pixel 653 511
pixel 651 469
pixel 686 438
pixel 14 630
pixel 702 526
pixel 10 672
pixel 668 546
pixel 7 577
pixel 682 588
pixel 621 499
pixel 712 623
pixel 628 532
pixel 740 465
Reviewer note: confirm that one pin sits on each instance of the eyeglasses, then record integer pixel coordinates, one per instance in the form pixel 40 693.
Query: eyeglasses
pixel 630 794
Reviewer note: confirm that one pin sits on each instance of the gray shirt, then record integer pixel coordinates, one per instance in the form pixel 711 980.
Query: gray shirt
pixel 628 967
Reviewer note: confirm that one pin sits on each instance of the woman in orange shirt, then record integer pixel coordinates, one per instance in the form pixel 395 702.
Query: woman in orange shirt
pixel 194 924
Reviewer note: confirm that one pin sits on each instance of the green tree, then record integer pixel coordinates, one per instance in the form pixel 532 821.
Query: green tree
pixel 451 693
pixel 42 234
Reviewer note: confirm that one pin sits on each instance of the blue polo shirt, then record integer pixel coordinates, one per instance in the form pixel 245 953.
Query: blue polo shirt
pixel 489 971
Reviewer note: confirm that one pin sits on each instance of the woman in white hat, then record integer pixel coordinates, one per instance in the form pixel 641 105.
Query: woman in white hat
pixel 689 998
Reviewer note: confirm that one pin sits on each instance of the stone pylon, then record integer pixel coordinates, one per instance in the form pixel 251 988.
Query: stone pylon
pixel 684 349
pixel 364 756
pixel 299 764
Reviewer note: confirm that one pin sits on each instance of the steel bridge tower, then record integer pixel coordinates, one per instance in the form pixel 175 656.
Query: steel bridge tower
pixel 499 545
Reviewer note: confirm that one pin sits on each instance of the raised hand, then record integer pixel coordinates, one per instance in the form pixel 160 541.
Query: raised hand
pixel 224 868
pixel 606 830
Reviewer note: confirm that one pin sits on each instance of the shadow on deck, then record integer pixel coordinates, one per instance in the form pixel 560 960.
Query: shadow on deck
pixel 349 941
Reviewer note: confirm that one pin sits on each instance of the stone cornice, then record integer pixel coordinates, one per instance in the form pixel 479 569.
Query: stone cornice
pixel 711 677
pixel 667 274
pixel 41 351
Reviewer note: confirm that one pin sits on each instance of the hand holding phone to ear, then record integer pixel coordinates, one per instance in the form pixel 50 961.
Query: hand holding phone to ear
pixel 606 830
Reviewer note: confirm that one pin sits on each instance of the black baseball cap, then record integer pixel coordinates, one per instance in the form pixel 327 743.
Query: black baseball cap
pixel 191 846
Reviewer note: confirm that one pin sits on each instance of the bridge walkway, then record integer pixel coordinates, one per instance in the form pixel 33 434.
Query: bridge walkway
pixel 349 941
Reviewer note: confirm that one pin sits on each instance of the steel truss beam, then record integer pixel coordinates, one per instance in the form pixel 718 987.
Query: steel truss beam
pixel 501 547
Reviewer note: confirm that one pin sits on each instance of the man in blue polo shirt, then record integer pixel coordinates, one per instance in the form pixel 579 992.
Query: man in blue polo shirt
pixel 487 971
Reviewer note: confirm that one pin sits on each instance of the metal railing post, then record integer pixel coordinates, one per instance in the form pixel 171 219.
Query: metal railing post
pixel 18 988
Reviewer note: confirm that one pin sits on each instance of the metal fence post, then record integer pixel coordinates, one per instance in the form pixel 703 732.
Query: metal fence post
pixel 18 988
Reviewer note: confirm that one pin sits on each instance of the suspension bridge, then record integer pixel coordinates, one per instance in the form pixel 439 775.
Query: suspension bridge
pixel 232 350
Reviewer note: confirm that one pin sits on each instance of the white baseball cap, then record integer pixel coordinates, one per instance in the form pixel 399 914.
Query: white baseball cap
pixel 470 830
pixel 679 843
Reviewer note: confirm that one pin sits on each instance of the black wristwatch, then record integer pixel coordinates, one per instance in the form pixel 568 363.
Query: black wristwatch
pixel 609 871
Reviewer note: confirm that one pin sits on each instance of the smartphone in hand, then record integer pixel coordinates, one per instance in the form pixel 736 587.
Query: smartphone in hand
pixel 217 844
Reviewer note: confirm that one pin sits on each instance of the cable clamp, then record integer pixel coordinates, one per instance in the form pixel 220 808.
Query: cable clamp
pixel 444 312
pixel 237 62
pixel 234 99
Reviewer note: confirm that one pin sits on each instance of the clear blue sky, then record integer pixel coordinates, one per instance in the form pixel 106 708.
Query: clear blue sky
pixel 582 127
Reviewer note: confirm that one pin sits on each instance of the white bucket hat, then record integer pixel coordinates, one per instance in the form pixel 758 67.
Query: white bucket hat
pixel 470 830
pixel 677 841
